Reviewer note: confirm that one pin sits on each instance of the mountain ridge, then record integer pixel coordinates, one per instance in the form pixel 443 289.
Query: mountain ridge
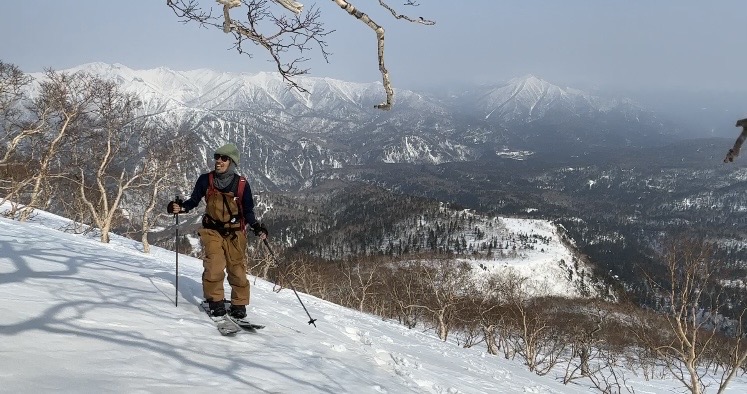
pixel 295 135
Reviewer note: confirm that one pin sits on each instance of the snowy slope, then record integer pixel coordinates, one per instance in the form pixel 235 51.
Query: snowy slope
pixel 81 316
pixel 532 248
pixel 549 266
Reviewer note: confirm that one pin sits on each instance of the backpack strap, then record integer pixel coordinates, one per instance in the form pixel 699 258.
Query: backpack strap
pixel 211 188
pixel 239 185
pixel 240 195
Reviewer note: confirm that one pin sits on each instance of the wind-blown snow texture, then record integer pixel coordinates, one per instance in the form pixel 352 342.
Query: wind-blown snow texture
pixel 81 316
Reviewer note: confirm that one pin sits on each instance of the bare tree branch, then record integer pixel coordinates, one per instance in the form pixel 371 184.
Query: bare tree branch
pixel 350 9
pixel 420 20
pixel 734 152
pixel 282 35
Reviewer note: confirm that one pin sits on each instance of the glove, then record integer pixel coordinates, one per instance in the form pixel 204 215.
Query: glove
pixel 174 207
pixel 259 228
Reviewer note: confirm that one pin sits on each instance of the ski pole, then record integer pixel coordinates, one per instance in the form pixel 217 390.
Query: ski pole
pixel 311 320
pixel 176 248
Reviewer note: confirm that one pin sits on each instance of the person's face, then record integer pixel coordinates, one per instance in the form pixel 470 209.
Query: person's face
pixel 221 163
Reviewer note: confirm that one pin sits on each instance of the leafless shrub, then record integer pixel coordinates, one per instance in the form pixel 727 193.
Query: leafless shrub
pixel 688 344
pixel 593 340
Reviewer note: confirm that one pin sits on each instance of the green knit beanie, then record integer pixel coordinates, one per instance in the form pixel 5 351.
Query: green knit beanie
pixel 229 150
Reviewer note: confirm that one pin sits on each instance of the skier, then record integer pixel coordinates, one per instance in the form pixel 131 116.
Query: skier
pixel 229 208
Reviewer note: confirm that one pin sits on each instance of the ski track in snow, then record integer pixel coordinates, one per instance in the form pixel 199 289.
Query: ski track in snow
pixel 80 316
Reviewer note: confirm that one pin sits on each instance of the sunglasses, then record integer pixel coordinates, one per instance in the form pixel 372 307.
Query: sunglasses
pixel 221 157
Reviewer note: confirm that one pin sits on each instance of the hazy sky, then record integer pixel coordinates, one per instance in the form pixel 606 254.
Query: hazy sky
pixel 656 44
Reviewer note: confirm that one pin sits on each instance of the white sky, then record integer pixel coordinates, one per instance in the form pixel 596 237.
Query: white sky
pixel 632 44
pixel 80 316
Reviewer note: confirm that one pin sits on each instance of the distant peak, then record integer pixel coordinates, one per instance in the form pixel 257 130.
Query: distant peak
pixel 96 65
pixel 531 76
pixel 528 78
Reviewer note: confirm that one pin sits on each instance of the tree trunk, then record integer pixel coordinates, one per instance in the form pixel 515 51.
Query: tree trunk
pixel 489 334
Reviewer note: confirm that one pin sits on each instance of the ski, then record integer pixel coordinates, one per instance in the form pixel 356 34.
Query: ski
pixel 243 323
pixel 228 325
pixel 246 324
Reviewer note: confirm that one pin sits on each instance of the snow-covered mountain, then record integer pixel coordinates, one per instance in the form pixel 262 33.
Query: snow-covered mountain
pixel 287 136
pixel 530 98
pixel 532 114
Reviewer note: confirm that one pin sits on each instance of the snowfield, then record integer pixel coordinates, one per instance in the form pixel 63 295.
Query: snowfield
pixel 81 316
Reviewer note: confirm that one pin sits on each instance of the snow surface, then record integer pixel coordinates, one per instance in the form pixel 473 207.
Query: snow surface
pixel 80 316
pixel 542 265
